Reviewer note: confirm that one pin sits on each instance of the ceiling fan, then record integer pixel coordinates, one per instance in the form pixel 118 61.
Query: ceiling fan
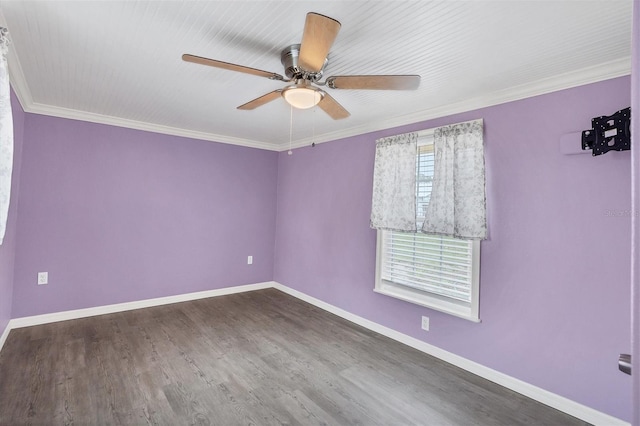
pixel 304 65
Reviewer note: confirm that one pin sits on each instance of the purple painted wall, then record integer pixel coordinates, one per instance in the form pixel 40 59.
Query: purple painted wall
pixel 554 272
pixel 8 247
pixel 635 254
pixel 117 215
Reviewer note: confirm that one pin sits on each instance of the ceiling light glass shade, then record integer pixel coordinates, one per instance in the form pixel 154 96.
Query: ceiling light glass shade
pixel 302 97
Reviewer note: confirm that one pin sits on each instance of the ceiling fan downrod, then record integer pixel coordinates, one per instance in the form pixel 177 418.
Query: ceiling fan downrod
pixel 289 59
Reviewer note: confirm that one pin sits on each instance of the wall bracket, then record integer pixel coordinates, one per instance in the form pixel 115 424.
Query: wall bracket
pixel 609 133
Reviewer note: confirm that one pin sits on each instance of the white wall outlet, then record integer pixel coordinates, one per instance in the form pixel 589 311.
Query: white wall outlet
pixel 425 323
pixel 43 278
pixel 249 260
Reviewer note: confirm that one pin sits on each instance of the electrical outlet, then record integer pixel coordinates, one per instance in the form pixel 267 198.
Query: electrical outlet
pixel 425 323
pixel 43 278
pixel 249 260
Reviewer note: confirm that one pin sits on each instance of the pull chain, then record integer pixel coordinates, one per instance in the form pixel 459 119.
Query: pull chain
pixel 313 127
pixel 290 128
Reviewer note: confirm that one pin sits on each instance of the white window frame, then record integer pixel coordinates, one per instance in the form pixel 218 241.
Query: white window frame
pixel 469 311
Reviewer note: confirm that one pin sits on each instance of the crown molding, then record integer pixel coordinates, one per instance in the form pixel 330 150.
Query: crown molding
pixel 37 108
pixel 593 74
pixel 22 91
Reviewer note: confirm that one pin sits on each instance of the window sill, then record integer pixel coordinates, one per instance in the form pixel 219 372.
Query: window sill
pixel 459 310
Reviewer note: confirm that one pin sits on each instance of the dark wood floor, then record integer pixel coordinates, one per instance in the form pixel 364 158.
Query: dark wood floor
pixel 257 358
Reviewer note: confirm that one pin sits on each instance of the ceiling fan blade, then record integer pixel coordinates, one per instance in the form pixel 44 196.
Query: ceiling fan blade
pixel 333 108
pixel 319 33
pixel 231 67
pixel 374 82
pixel 271 96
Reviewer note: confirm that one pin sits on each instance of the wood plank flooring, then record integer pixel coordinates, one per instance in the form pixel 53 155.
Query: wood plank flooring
pixel 258 358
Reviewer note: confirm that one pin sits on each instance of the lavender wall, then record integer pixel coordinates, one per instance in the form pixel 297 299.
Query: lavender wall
pixel 117 215
pixel 554 272
pixel 8 247
pixel 635 254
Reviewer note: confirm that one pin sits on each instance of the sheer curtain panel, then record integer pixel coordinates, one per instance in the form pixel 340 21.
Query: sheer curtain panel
pixel 458 203
pixel 6 133
pixel 393 205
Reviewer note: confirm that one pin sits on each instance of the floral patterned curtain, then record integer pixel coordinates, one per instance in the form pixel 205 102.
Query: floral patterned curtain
pixel 394 184
pixel 6 133
pixel 458 202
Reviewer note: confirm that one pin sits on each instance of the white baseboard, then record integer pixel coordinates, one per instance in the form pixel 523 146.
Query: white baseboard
pixel 5 334
pixel 545 397
pixel 128 306
pixel 548 398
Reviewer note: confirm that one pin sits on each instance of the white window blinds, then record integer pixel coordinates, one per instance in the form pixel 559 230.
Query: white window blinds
pixel 437 271
pixel 424 177
pixel 435 264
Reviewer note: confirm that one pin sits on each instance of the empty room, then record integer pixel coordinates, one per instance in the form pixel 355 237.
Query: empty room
pixel 329 212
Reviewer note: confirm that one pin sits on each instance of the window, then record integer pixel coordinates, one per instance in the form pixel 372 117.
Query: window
pixel 435 271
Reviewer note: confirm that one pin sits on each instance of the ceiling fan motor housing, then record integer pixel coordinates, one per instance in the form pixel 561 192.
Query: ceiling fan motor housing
pixel 289 59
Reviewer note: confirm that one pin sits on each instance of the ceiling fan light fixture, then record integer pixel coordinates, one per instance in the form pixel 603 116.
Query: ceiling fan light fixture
pixel 302 97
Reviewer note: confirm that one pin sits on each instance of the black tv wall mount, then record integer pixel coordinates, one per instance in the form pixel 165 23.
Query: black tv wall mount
pixel 609 133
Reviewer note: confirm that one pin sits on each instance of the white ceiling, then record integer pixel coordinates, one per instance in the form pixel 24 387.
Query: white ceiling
pixel 119 62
